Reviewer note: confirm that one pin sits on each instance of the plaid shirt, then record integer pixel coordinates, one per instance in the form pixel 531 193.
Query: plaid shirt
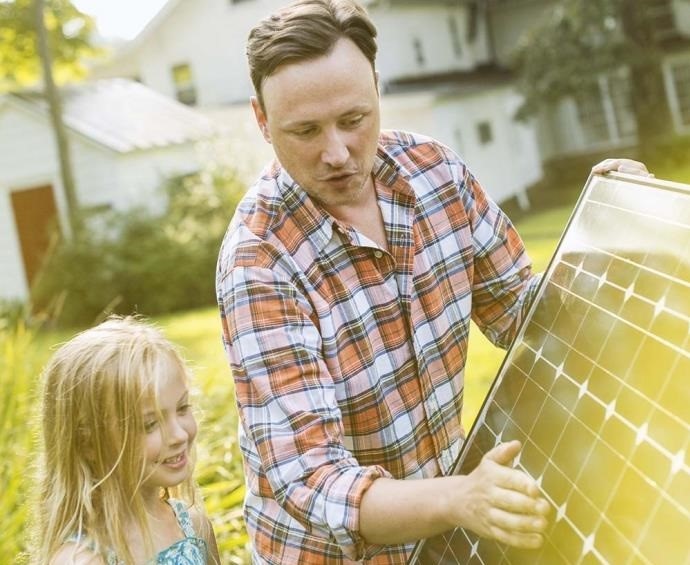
pixel 348 360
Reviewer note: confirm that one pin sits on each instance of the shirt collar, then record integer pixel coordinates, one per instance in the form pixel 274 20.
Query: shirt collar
pixel 314 220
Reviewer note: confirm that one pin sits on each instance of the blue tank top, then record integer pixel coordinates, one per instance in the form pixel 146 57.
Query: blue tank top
pixel 190 550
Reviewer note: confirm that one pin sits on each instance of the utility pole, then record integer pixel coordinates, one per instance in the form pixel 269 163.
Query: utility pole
pixel 52 96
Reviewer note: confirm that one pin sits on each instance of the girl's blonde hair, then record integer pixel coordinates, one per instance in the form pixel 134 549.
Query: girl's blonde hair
pixel 92 433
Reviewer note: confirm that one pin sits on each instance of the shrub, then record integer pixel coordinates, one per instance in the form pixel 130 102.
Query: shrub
pixel 140 261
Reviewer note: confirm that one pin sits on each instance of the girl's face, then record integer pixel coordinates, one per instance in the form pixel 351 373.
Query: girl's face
pixel 170 431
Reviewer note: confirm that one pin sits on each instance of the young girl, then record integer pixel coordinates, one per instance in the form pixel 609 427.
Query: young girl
pixel 118 433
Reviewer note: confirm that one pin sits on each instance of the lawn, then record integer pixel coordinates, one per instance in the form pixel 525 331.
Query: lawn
pixel 219 468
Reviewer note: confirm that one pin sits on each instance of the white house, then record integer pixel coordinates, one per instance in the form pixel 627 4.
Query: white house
pixel 194 50
pixel 125 139
pixel 442 66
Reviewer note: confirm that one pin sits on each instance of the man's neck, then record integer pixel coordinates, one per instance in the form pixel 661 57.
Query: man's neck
pixel 364 215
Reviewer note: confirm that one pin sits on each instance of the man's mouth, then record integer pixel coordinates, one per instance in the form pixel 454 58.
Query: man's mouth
pixel 339 176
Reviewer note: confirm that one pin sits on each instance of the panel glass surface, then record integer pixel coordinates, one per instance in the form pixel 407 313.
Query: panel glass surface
pixel 597 387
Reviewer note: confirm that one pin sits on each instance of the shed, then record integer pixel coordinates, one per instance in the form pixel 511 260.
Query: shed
pixel 125 140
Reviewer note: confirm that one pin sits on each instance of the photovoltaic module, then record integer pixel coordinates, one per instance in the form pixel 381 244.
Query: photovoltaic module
pixel 597 388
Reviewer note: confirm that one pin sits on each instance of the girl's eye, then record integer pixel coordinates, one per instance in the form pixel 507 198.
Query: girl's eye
pixel 150 426
pixel 183 409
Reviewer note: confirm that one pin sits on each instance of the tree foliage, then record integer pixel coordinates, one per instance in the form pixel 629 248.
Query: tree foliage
pixel 579 40
pixel 69 39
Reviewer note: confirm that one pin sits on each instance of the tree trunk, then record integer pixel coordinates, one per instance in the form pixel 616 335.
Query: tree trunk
pixel 52 97
pixel 650 103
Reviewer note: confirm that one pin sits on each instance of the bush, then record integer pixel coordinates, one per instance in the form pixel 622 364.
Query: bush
pixel 13 314
pixel 138 261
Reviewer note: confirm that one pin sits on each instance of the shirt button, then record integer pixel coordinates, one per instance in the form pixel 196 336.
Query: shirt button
pixel 378 254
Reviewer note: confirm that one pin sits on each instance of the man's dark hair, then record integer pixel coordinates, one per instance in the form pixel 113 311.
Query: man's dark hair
pixel 307 29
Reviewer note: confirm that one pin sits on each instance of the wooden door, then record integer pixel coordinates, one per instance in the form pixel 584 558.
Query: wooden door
pixel 36 219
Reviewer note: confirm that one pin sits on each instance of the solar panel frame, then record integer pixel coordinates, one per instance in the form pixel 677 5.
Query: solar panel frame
pixel 598 396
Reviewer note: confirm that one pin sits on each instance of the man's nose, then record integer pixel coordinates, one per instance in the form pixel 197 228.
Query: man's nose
pixel 335 152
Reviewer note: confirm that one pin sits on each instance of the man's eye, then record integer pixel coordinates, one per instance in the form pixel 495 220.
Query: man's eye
pixel 304 132
pixel 355 121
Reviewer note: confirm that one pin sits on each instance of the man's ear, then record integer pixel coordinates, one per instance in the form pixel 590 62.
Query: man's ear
pixel 376 82
pixel 261 119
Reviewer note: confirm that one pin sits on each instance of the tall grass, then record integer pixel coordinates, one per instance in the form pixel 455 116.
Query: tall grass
pixel 18 371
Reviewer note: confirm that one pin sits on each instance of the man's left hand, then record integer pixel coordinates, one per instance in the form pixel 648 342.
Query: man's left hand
pixel 622 166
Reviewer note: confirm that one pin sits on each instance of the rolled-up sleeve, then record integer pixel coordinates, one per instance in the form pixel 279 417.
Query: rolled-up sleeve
pixel 288 406
pixel 503 283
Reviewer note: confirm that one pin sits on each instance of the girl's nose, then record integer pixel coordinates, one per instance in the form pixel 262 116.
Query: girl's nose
pixel 177 433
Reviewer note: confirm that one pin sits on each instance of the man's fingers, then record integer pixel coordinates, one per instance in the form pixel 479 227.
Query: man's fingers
pixel 520 523
pixel 518 539
pixel 518 530
pixel 504 453
pixel 521 502
pixel 629 166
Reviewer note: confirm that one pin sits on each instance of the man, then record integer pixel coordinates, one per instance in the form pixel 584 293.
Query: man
pixel 346 284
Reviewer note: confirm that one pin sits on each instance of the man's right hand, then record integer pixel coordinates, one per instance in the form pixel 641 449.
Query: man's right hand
pixel 503 503
pixel 495 501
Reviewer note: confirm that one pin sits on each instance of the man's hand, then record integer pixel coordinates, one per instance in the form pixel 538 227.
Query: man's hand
pixel 495 501
pixel 622 166
pixel 504 504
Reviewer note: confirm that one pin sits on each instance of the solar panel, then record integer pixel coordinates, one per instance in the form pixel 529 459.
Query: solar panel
pixel 597 388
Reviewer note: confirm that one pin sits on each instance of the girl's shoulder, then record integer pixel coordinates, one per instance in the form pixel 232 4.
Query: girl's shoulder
pixel 192 518
pixel 71 553
pixel 195 522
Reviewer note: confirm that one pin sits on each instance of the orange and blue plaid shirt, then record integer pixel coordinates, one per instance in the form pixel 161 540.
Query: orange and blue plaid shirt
pixel 348 359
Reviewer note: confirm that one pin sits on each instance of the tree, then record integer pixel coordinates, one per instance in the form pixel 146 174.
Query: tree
pixel 68 36
pixel 55 106
pixel 47 39
pixel 579 40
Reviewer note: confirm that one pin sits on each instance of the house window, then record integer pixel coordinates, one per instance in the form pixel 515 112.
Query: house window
pixel 681 82
pixel 485 132
pixel 418 51
pixel 605 110
pixel 455 35
pixel 592 116
pixel 185 91
pixel 621 99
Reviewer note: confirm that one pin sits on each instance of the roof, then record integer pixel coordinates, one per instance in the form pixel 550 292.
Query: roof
pixel 124 115
pixel 126 49
pixel 460 82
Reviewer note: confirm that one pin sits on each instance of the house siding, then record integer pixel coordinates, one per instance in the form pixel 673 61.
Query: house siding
pixel 24 164
pixel 102 177
pixel 398 28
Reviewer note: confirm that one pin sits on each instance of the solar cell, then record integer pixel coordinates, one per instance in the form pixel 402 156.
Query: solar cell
pixel 597 387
